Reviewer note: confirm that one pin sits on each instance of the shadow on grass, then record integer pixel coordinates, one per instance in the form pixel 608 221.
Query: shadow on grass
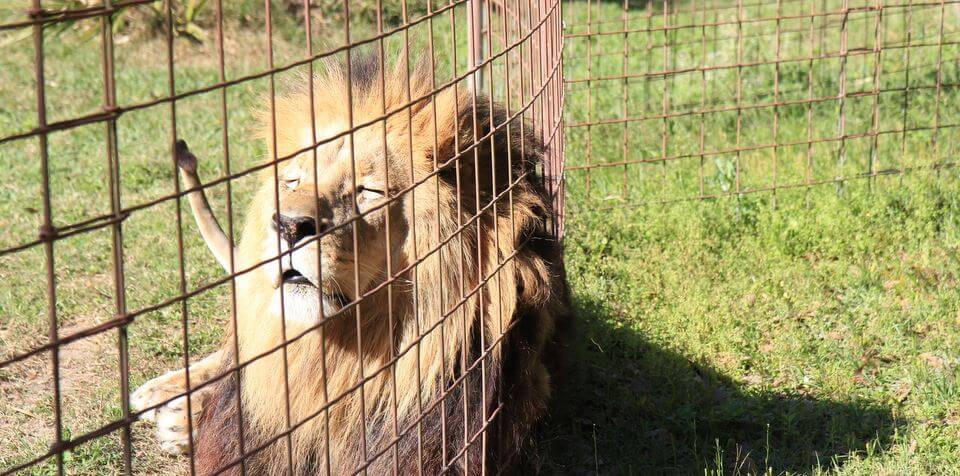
pixel 628 406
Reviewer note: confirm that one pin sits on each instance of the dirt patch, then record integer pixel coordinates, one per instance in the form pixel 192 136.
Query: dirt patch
pixel 90 395
pixel 26 423
pixel 27 387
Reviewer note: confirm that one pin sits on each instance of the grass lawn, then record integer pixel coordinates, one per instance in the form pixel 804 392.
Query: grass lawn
pixel 733 335
pixel 802 331
pixel 811 330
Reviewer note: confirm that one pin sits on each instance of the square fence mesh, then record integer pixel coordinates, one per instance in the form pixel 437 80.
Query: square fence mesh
pixel 422 105
pixel 687 100
pixel 647 102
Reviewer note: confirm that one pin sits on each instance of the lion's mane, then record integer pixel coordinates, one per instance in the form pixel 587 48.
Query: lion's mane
pixel 468 359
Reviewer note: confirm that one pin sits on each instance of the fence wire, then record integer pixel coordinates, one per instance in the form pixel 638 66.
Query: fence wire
pixel 508 52
pixel 703 99
pixel 648 102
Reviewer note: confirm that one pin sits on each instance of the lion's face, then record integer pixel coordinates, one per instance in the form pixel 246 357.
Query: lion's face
pixel 346 202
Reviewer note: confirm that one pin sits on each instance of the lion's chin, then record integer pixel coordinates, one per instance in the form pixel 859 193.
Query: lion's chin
pixel 302 304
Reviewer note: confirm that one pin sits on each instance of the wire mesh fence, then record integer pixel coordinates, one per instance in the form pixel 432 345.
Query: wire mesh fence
pixel 693 100
pixel 770 120
pixel 396 163
pixel 650 102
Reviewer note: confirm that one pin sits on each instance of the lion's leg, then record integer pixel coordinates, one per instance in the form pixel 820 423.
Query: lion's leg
pixel 171 417
pixel 210 230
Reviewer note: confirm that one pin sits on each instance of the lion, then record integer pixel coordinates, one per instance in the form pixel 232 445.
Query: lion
pixel 400 299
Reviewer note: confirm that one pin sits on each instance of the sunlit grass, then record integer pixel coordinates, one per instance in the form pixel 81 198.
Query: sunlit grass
pixel 802 331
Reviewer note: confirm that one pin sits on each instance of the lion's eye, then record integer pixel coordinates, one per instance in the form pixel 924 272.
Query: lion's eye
pixel 366 196
pixel 362 188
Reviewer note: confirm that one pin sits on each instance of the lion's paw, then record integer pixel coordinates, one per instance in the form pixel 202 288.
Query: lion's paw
pixel 173 427
pixel 170 417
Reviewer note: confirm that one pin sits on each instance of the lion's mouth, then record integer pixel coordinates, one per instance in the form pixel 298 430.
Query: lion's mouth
pixel 292 276
pixel 297 283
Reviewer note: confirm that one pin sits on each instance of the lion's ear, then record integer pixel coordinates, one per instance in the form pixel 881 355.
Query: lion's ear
pixel 447 108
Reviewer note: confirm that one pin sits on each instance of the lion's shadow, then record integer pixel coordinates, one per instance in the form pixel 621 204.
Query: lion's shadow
pixel 628 406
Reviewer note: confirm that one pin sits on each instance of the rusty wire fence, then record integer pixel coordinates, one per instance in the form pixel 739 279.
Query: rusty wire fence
pixel 116 277
pixel 672 100
pixel 659 101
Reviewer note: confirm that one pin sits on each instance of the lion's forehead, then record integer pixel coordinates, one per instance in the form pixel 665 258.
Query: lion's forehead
pixel 336 172
pixel 337 163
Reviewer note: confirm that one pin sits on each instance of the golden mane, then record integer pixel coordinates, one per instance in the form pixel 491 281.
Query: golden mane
pixel 464 331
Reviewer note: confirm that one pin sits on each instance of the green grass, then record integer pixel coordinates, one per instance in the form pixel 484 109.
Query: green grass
pixel 90 394
pixel 796 338
pixel 810 330
pixel 89 375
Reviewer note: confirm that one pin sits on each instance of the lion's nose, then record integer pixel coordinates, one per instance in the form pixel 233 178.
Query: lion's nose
pixel 293 229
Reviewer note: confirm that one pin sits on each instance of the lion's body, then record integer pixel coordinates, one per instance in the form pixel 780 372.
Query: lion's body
pixel 460 331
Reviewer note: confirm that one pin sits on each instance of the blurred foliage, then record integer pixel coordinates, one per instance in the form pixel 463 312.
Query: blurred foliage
pixel 193 19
